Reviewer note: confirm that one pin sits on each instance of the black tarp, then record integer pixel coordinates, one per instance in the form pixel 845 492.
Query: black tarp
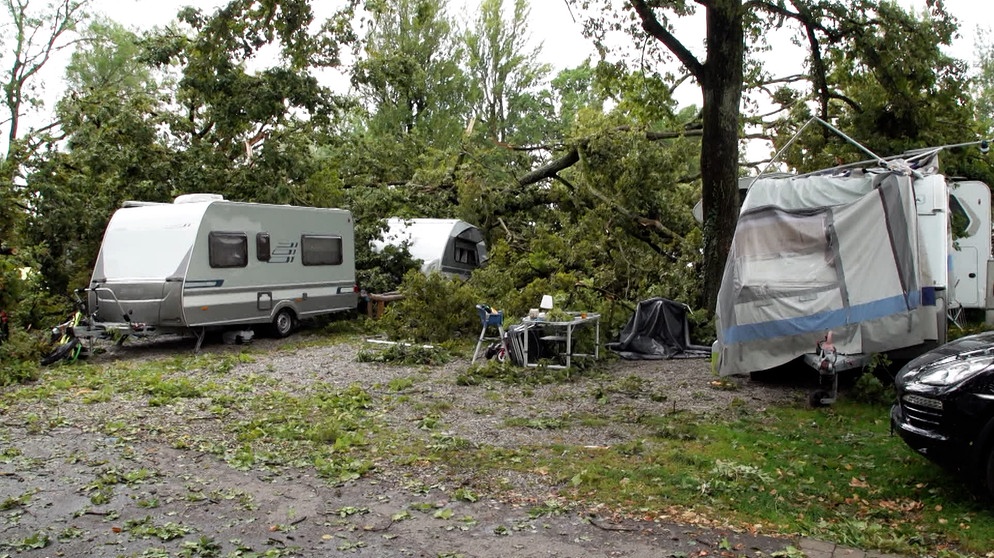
pixel 658 330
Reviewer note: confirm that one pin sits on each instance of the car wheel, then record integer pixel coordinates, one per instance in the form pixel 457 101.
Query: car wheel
pixel 990 472
pixel 283 323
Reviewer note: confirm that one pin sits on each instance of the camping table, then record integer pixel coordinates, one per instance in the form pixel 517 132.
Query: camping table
pixel 566 330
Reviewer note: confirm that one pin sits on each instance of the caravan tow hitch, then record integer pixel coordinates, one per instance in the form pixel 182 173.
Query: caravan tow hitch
pixel 827 358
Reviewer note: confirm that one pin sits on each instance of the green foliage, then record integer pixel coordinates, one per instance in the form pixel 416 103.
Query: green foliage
pixel 379 271
pixel 895 90
pixel 145 528
pixel 406 354
pixel 162 391
pixel 434 309
pixel 134 130
pixel 836 474
pixel 28 312
pixel 13 502
pixel 983 83
pixel 19 356
pixel 505 75
pixel 869 389
pixel 23 298
pixel 34 541
pixel 197 107
pixel 465 494
pixel 41 33
pixel 968 326
pixel 594 251
pixel 508 373
pixel 732 477
pixel 411 72
pixel 558 315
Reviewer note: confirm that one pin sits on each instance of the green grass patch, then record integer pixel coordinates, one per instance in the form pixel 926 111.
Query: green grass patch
pixel 835 474
pixel 406 354
pixel 537 423
pixel 400 384
pixel 507 373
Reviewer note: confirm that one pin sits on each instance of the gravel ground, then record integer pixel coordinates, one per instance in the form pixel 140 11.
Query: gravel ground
pixel 48 476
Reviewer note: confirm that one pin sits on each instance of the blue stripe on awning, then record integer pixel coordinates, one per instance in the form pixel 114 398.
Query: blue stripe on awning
pixel 822 321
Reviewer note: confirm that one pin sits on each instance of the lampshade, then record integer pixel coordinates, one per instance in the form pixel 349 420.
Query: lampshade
pixel 546 302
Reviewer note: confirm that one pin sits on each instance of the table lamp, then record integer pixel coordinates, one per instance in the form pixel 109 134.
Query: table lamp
pixel 546 302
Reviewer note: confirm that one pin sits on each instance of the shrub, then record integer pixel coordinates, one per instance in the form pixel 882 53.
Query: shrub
pixel 435 308
pixel 19 356
pixel 869 389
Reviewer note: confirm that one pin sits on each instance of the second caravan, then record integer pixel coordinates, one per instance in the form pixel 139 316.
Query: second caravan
pixel 204 262
pixel 838 265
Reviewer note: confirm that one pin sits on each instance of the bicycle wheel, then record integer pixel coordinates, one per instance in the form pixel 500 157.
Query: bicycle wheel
pixel 65 350
pixel 76 353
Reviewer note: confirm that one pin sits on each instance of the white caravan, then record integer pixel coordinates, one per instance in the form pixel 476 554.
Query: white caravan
pixel 203 262
pixel 841 264
pixel 449 246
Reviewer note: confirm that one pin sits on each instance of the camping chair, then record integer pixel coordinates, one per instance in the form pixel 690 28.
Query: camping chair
pixel 489 319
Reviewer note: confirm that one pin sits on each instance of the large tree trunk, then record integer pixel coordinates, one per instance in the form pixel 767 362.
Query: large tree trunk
pixel 721 84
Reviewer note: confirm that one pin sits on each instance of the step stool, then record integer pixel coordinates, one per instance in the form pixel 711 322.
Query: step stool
pixel 489 320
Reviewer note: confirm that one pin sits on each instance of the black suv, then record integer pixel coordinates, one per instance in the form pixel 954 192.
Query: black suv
pixel 945 407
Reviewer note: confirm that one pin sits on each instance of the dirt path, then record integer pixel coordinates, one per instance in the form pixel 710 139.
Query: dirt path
pixel 294 514
pixel 71 491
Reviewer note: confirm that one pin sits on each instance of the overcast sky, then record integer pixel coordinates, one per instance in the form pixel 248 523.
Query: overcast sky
pixel 552 24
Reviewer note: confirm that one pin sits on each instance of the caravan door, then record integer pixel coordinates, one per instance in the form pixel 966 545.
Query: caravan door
pixel 970 221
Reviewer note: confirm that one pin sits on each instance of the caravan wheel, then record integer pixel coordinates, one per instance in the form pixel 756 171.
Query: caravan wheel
pixel 283 323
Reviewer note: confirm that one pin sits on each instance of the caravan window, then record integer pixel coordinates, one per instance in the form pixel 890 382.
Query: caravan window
pixel 228 249
pixel 262 247
pixel 959 218
pixel 466 252
pixel 320 250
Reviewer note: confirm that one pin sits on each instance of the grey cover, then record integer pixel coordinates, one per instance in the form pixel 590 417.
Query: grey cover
pixel 812 255
pixel 657 330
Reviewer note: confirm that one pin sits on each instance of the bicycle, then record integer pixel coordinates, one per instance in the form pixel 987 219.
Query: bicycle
pixel 68 347
pixel 496 349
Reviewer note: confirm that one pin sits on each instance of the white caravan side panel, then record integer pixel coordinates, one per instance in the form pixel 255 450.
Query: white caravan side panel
pixel 931 203
pixel 256 291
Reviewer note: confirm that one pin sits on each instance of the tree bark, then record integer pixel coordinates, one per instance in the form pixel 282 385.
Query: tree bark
pixel 721 84
pixel 720 78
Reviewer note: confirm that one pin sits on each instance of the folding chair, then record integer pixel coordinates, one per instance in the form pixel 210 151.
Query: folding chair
pixel 489 319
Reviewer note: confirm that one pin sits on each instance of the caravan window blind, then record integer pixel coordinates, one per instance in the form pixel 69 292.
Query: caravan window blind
pixel 320 250
pixel 465 252
pixel 227 249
